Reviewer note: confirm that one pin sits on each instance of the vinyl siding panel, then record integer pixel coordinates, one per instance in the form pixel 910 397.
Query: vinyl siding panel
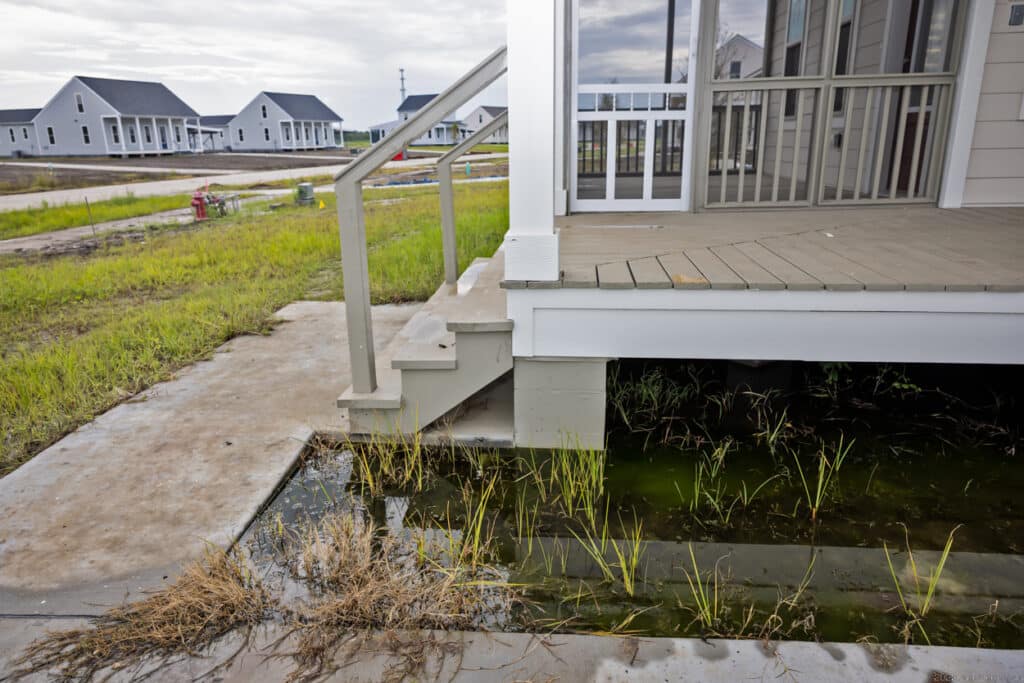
pixel 995 174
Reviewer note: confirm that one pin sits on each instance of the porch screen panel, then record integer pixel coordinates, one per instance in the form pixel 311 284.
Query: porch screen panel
pixel 630 159
pixel 668 159
pixel 592 159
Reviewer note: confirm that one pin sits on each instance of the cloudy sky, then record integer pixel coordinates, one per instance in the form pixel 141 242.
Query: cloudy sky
pixel 217 58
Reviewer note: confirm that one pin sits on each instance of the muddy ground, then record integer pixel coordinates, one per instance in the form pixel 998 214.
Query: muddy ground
pixel 20 179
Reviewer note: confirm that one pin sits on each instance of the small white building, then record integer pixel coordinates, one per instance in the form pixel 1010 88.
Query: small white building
pixel 213 133
pixel 18 132
pixel 483 115
pixel 450 131
pixel 105 116
pixel 283 121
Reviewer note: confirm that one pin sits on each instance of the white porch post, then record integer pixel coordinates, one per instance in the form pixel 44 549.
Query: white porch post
pixel 531 245
pixel 156 136
pixel 138 133
pixel 120 135
pixel 965 106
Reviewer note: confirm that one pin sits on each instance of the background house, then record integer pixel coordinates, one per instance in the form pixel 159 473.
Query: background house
pixel 18 132
pixel 284 121
pixel 483 115
pixel 105 116
pixel 213 133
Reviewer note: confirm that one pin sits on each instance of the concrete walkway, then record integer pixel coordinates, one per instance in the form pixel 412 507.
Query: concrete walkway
pixel 115 507
pixel 165 187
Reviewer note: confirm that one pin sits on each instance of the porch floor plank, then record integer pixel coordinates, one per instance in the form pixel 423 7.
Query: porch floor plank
pixel 682 272
pixel 786 272
pixel 837 272
pixel 649 274
pixel 614 276
pixel 720 275
pixel 579 277
pixel 755 276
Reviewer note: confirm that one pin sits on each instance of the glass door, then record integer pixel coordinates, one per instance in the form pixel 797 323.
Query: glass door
pixel 632 92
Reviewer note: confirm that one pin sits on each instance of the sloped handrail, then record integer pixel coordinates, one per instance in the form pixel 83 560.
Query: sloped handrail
pixel 351 223
pixel 444 178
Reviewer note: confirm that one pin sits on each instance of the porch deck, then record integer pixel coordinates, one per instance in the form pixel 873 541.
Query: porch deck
pixel 912 248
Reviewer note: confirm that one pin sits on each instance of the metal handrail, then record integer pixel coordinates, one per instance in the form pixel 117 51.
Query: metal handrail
pixel 444 178
pixel 351 223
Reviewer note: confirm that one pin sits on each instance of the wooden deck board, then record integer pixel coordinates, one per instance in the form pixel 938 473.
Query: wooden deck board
pixel 682 272
pixel 837 272
pixel 614 276
pixel 755 276
pixel 715 271
pixel 791 276
pixel 579 277
pixel 649 274
pixel 915 273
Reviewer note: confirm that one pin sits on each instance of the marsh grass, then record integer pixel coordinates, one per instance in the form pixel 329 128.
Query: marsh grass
pixel 828 467
pixel 215 596
pixel 918 595
pixel 46 218
pixel 156 306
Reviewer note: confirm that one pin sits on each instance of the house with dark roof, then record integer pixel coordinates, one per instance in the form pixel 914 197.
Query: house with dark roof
pixel 107 116
pixel 18 132
pixel 275 121
pixel 480 117
pixel 448 132
pixel 214 132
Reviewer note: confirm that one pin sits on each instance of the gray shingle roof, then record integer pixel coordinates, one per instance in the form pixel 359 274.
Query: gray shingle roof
pixel 303 107
pixel 138 98
pixel 18 115
pixel 218 120
pixel 495 111
pixel 415 102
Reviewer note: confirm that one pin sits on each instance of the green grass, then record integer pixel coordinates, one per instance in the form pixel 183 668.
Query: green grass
pixel 45 218
pixel 78 335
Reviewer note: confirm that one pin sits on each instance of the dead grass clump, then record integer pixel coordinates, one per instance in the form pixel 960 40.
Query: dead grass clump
pixel 362 582
pixel 214 596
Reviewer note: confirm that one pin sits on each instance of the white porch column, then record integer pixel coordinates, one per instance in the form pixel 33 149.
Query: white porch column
pixel 120 136
pixel 138 133
pixel 156 135
pixel 295 141
pixel 531 245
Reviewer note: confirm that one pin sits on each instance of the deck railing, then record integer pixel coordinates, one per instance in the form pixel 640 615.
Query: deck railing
pixel 351 222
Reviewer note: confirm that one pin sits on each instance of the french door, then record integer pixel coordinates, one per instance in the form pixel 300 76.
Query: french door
pixel 632 94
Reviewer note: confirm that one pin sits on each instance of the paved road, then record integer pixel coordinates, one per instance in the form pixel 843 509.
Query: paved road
pixel 183 186
pixel 120 169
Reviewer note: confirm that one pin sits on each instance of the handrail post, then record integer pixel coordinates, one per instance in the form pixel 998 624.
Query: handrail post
pixel 356 275
pixel 448 244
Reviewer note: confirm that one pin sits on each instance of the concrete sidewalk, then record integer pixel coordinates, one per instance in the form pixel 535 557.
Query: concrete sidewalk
pixel 119 505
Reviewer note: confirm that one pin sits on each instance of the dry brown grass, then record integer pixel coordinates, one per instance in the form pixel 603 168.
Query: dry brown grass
pixel 363 583
pixel 214 596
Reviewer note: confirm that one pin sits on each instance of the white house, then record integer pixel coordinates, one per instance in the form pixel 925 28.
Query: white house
pixel 213 133
pixel 104 116
pixel 857 198
pixel 738 57
pixel 480 117
pixel 448 131
pixel 18 132
pixel 282 121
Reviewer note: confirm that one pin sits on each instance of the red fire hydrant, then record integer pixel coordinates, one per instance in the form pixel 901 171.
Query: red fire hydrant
pixel 199 205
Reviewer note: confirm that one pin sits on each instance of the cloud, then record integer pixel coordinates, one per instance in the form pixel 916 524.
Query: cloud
pixel 219 55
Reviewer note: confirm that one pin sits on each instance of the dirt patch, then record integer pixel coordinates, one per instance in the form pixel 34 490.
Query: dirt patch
pixel 227 162
pixel 21 179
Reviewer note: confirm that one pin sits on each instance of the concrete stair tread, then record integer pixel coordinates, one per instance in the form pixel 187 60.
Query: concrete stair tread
pixel 483 308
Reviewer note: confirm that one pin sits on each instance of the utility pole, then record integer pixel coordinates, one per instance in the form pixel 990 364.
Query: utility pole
pixel 401 73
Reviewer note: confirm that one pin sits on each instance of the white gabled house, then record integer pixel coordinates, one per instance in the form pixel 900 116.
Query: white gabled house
pixel 483 115
pixel 858 196
pixel 275 121
pixel 18 132
pixel 104 116
pixel 447 131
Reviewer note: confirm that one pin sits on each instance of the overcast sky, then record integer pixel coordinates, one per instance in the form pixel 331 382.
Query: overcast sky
pixel 347 52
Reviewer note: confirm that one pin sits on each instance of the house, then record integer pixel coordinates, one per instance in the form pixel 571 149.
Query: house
pixel 738 57
pixel 104 116
pixel 448 131
pixel 18 132
pixel 857 198
pixel 480 117
pixel 213 132
pixel 275 121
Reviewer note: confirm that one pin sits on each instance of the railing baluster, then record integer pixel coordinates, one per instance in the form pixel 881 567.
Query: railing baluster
pixel 826 123
pixel 880 147
pixel 901 131
pixel 779 138
pixel 725 148
pixel 922 109
pixel 863 143
pixel 796 144
pixel 762 111
pixel 942 106
pixel 743 144
pixel 851 95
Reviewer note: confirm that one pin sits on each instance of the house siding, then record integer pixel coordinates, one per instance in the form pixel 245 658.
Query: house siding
pixel 62 115
pixel 21 145
pixel 995 171
pixel 310 134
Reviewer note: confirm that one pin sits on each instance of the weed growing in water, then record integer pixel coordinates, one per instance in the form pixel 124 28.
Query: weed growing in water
pixel 704 591
pixel 828 467
pixel 916 605
pixel 390 461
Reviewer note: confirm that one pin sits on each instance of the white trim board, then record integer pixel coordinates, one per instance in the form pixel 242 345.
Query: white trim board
pixel 913 327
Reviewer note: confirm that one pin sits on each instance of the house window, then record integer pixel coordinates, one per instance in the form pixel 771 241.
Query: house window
pixel 287 135
pixel 117 138
pixel 11 131
pixel 430 134
pixel 241 135
pixel 734 69
pixel 131 135
pixel 24 133
pixel 266 134
pixel 149 138
pixel 85 134
pixel 222 135
pixel 843 54
pixel 481 118
pixel 177 134
pixel 79 104
pixel 794 48
pixel 49 134
pixel 263 110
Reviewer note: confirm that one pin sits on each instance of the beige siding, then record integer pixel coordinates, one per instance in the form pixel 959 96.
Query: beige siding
pixel 995 172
